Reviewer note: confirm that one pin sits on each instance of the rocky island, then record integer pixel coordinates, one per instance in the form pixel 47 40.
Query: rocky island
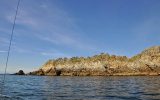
pixel 145 63
pixel 20 72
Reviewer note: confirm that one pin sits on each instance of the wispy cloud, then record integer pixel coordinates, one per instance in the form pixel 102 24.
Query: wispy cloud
pixel 3 51
pixel 5 30
pixel 48 23
pixel 21 49
pixel 55 26
pixel 4 40
pixel 35 51
pixel 66 40
pixel 23 18
pixel 54 54
pixel 148 27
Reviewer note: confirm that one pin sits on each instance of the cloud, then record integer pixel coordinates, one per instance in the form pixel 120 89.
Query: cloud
pixel 49 23
pixel 4 43
pixel 4 40
pixel 147 27
pixel 5 30
pixel 55 54
pixel 145 33
pixel 23 18
pixel 66 40
pixel 3 51
pixel 20 49
pixel 44 6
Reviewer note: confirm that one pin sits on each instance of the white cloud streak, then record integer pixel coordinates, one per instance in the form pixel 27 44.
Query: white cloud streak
pixel 49 23
pixel 3 51
pixel 4 40
pixel 146 28
pixel 54 54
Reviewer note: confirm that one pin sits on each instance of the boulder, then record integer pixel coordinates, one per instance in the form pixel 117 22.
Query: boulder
pixel 20 72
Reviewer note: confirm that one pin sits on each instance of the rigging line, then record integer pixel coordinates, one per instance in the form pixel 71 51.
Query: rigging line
pixel 10 44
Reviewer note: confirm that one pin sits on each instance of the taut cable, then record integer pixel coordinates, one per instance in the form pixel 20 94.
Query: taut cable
pixel 9 48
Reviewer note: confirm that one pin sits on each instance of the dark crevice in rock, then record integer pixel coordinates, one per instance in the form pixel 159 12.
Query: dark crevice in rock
pixel 58 72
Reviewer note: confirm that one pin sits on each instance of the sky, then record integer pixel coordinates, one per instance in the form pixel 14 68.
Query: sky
pixel 49 29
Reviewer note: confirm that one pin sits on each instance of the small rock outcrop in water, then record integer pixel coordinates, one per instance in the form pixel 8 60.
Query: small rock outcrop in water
pixel 20 73
pixel 145 63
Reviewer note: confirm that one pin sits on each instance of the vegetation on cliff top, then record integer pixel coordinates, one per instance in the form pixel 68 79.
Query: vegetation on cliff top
pixel 101 57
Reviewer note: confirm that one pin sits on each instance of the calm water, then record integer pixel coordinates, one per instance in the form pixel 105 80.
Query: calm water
pixel 81 88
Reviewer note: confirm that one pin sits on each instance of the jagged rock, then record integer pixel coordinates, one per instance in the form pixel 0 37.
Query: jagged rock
pixel 145 63
pixel 38 72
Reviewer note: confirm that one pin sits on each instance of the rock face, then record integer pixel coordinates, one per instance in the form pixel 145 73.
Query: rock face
pixel 145 63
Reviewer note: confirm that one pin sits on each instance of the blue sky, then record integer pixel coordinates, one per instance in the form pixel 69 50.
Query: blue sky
pixel 48 29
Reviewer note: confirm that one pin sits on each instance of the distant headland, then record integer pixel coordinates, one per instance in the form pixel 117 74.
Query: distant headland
pixel 145 63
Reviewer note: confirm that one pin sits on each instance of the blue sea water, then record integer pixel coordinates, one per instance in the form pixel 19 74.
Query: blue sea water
pixel 81 88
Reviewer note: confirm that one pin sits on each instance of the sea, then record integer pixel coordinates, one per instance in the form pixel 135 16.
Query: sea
pixel 80 88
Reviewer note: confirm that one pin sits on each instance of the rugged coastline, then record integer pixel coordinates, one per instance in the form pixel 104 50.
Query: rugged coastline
pixel 145 63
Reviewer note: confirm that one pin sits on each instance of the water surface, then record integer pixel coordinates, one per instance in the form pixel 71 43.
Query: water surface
pixel 81 88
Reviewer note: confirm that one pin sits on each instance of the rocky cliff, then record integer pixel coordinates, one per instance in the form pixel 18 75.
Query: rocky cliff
pixel 145 63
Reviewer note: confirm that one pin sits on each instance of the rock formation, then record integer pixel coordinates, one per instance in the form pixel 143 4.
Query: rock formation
pixel 20 72
pixel 145 63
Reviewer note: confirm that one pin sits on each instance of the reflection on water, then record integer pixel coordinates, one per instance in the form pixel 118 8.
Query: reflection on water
pixel 82 88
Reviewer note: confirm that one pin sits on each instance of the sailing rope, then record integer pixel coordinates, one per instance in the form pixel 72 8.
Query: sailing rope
pixel 9 48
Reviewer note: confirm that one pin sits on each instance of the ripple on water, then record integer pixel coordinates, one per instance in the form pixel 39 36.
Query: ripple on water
pixel 82 88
